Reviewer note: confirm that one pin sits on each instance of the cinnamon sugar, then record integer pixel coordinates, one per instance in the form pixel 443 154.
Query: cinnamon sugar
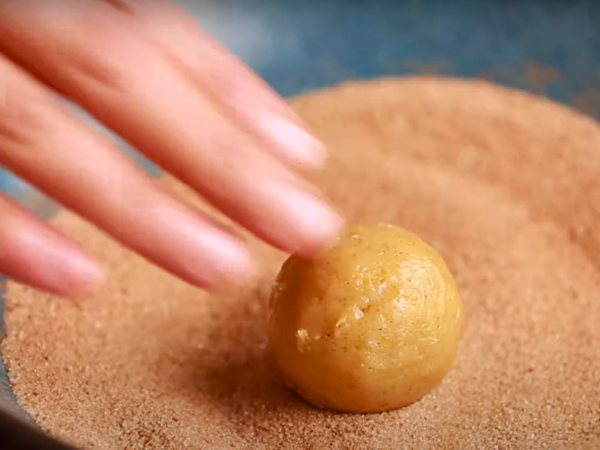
pixel 505 185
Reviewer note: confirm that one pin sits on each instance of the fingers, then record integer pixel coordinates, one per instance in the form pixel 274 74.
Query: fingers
pixel 41 142
pixel 94 53
pixel 214 69
pixel 33 253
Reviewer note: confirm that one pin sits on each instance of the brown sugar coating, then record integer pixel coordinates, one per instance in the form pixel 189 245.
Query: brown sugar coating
pixel 504 185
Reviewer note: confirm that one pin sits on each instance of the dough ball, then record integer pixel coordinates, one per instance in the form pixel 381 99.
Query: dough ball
pixel 372 324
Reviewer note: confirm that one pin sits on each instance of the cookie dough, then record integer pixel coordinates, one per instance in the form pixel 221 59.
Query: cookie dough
pixel 372 324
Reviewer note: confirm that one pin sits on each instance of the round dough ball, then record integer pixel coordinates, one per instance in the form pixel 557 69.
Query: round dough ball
pixel 370 325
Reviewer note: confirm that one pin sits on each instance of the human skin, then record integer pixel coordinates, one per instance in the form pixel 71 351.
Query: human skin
pixel 147 72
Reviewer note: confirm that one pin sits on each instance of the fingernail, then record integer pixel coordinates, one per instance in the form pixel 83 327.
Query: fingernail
pixel 212 258
pixel 310 222
pixel 231 263
pixel 292 141
pixel 77 274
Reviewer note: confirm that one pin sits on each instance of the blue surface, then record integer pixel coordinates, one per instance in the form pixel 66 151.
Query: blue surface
pixel 548 47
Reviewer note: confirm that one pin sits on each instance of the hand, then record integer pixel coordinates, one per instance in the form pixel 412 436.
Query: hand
pixel 145 71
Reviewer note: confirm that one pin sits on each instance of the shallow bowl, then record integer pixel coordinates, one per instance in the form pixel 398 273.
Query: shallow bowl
pixel 548 47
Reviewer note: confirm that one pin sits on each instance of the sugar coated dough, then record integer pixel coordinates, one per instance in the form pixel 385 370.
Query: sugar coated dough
pixel 504 185
pixel 371 324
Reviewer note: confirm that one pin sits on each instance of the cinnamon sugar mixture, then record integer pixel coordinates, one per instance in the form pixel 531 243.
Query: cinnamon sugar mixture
pixel 505 185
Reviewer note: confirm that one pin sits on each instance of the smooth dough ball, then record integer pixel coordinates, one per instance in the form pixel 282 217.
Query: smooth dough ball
pixel 372 324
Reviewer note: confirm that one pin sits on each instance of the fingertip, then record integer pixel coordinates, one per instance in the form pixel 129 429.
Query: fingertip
pixel 292 142
pixel 307 222
pixel 67 271
pixel 82 275
pixel 211 258
pixel 70 274
pixel 325 231
pixel 233 263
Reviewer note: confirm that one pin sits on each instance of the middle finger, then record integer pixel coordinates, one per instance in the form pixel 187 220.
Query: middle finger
pixel 92 52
